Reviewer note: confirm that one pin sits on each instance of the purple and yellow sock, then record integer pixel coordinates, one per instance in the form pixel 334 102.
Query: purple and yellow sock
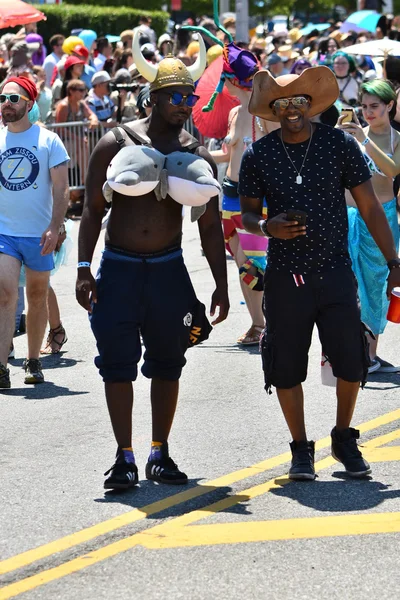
pixel 156 451
pixel 128 455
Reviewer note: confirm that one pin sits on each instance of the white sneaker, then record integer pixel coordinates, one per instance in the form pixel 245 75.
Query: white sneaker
pixel 375 366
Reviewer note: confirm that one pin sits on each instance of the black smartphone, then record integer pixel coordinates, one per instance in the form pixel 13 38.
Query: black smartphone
pixel 294 214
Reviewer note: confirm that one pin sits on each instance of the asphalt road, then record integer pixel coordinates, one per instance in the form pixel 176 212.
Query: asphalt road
pixel 240 529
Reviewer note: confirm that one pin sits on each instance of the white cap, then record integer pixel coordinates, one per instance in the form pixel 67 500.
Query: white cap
pixel 100 77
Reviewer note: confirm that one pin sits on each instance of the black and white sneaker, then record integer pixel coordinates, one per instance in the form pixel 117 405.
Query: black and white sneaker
pixel 302 467
pixel 33 371
pixel 123 474
pixel 165 470
pixel 5 382
pixel 346 451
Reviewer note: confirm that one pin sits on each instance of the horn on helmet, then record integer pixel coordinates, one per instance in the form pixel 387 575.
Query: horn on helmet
pixel 146 69
pixel 197 70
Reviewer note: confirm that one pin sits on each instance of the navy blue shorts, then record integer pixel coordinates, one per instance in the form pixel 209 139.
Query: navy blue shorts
pixel 150 296
pixel 328 300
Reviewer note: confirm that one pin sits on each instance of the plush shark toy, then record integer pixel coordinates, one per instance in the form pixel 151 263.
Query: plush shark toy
pixel 136 171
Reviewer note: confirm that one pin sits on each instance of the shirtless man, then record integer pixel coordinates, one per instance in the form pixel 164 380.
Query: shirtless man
pixel 142 285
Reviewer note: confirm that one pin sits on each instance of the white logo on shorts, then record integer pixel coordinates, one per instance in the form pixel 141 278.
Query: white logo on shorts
pixel 187 320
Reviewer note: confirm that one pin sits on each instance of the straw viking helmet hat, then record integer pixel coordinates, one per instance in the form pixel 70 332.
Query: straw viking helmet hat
pixel 170 70
pixel 318 82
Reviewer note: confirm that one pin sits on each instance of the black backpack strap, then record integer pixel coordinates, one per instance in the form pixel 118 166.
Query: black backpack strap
pixel 118 137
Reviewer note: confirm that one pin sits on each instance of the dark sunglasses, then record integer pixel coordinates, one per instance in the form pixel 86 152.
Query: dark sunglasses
pixel 13 98
pixel 178 99
pixel 297 102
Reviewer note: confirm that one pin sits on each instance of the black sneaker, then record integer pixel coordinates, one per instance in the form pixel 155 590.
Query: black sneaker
pixel 302 467
pixel 345 450
pixel 124 475
pixel 165 470
pixel 33 371
pixel 5 382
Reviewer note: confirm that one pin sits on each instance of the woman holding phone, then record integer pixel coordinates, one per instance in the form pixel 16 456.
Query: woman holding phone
pixel 381 146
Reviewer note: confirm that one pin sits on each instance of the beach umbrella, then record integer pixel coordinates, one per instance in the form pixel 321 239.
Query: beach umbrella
pixel 213 124
pixel 362 20
pixel 16 12
pixel 314 26
pixel 375 48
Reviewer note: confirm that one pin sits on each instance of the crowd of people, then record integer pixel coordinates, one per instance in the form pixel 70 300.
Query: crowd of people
pixel 308 209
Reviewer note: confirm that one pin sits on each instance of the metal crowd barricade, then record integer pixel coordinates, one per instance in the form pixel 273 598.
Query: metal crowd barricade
pixel 79 141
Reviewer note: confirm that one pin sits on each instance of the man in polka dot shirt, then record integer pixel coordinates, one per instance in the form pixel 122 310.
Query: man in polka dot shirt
pixel 305 168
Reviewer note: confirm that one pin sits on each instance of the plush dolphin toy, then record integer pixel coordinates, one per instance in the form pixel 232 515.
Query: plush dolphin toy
pixel 136 171
pixel 190 179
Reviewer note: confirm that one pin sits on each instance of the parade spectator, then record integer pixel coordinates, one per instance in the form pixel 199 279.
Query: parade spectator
pixel 326 49
pixel 309 279
pixel 123 59
pixel 123 97
pixel 99 100
pixel 343 67
pixel 88 71
pixel 145 29
pixel 73 68
pixel 275 65
pixel 299 66
pixel 31 213
pixel 45 97
pixel 104 51
pixel 381 146
pixel 164 41
pixel 20 59
pixel 127 38
pixel 51 61
pixel 40 53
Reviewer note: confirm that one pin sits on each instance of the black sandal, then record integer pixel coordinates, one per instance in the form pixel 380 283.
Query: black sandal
pixel 51 340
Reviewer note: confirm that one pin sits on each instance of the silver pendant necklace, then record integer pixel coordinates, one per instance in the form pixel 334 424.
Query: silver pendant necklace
pixel 299 178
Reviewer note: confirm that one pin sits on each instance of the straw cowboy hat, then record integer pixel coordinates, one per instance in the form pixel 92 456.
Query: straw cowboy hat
pixel 318 82
pixel 287 52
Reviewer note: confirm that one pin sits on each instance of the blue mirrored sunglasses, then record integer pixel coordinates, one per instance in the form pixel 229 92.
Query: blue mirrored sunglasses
pixel 178 99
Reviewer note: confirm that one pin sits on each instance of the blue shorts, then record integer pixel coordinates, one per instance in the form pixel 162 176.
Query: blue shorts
pixel 151 296
pixel 27 251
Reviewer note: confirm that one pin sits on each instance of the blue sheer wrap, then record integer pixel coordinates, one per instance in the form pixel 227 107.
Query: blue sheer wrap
pixel 369 266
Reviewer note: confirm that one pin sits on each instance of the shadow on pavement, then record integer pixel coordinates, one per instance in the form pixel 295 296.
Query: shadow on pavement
pixel 336 496
pixel 149 492
pixel 392 378
pixel 42 391
pixel 50 361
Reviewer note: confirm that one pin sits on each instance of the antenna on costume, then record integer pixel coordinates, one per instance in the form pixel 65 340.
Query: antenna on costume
pixel 220 86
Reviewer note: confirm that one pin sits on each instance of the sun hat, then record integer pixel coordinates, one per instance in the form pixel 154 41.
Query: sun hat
pixel 274 59
pixel 294 35
pixel 320 81
pixel 73 60
pixel 126 35
pixel 100 77
pixel 81 51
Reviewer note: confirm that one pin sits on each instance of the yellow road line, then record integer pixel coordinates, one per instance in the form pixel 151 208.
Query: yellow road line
pixel 89 533
pixel 285 529
pixel 169 531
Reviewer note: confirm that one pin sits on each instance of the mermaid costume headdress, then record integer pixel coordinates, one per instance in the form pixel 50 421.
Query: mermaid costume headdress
pixel 239 66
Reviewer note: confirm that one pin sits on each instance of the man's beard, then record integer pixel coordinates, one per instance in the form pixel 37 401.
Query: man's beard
pixel 13 115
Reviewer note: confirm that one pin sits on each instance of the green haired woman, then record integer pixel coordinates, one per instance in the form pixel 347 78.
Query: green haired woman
pixel 344 66
pixel 381 146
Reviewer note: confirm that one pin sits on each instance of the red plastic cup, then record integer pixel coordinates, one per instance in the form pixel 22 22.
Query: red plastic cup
pixel 394 306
